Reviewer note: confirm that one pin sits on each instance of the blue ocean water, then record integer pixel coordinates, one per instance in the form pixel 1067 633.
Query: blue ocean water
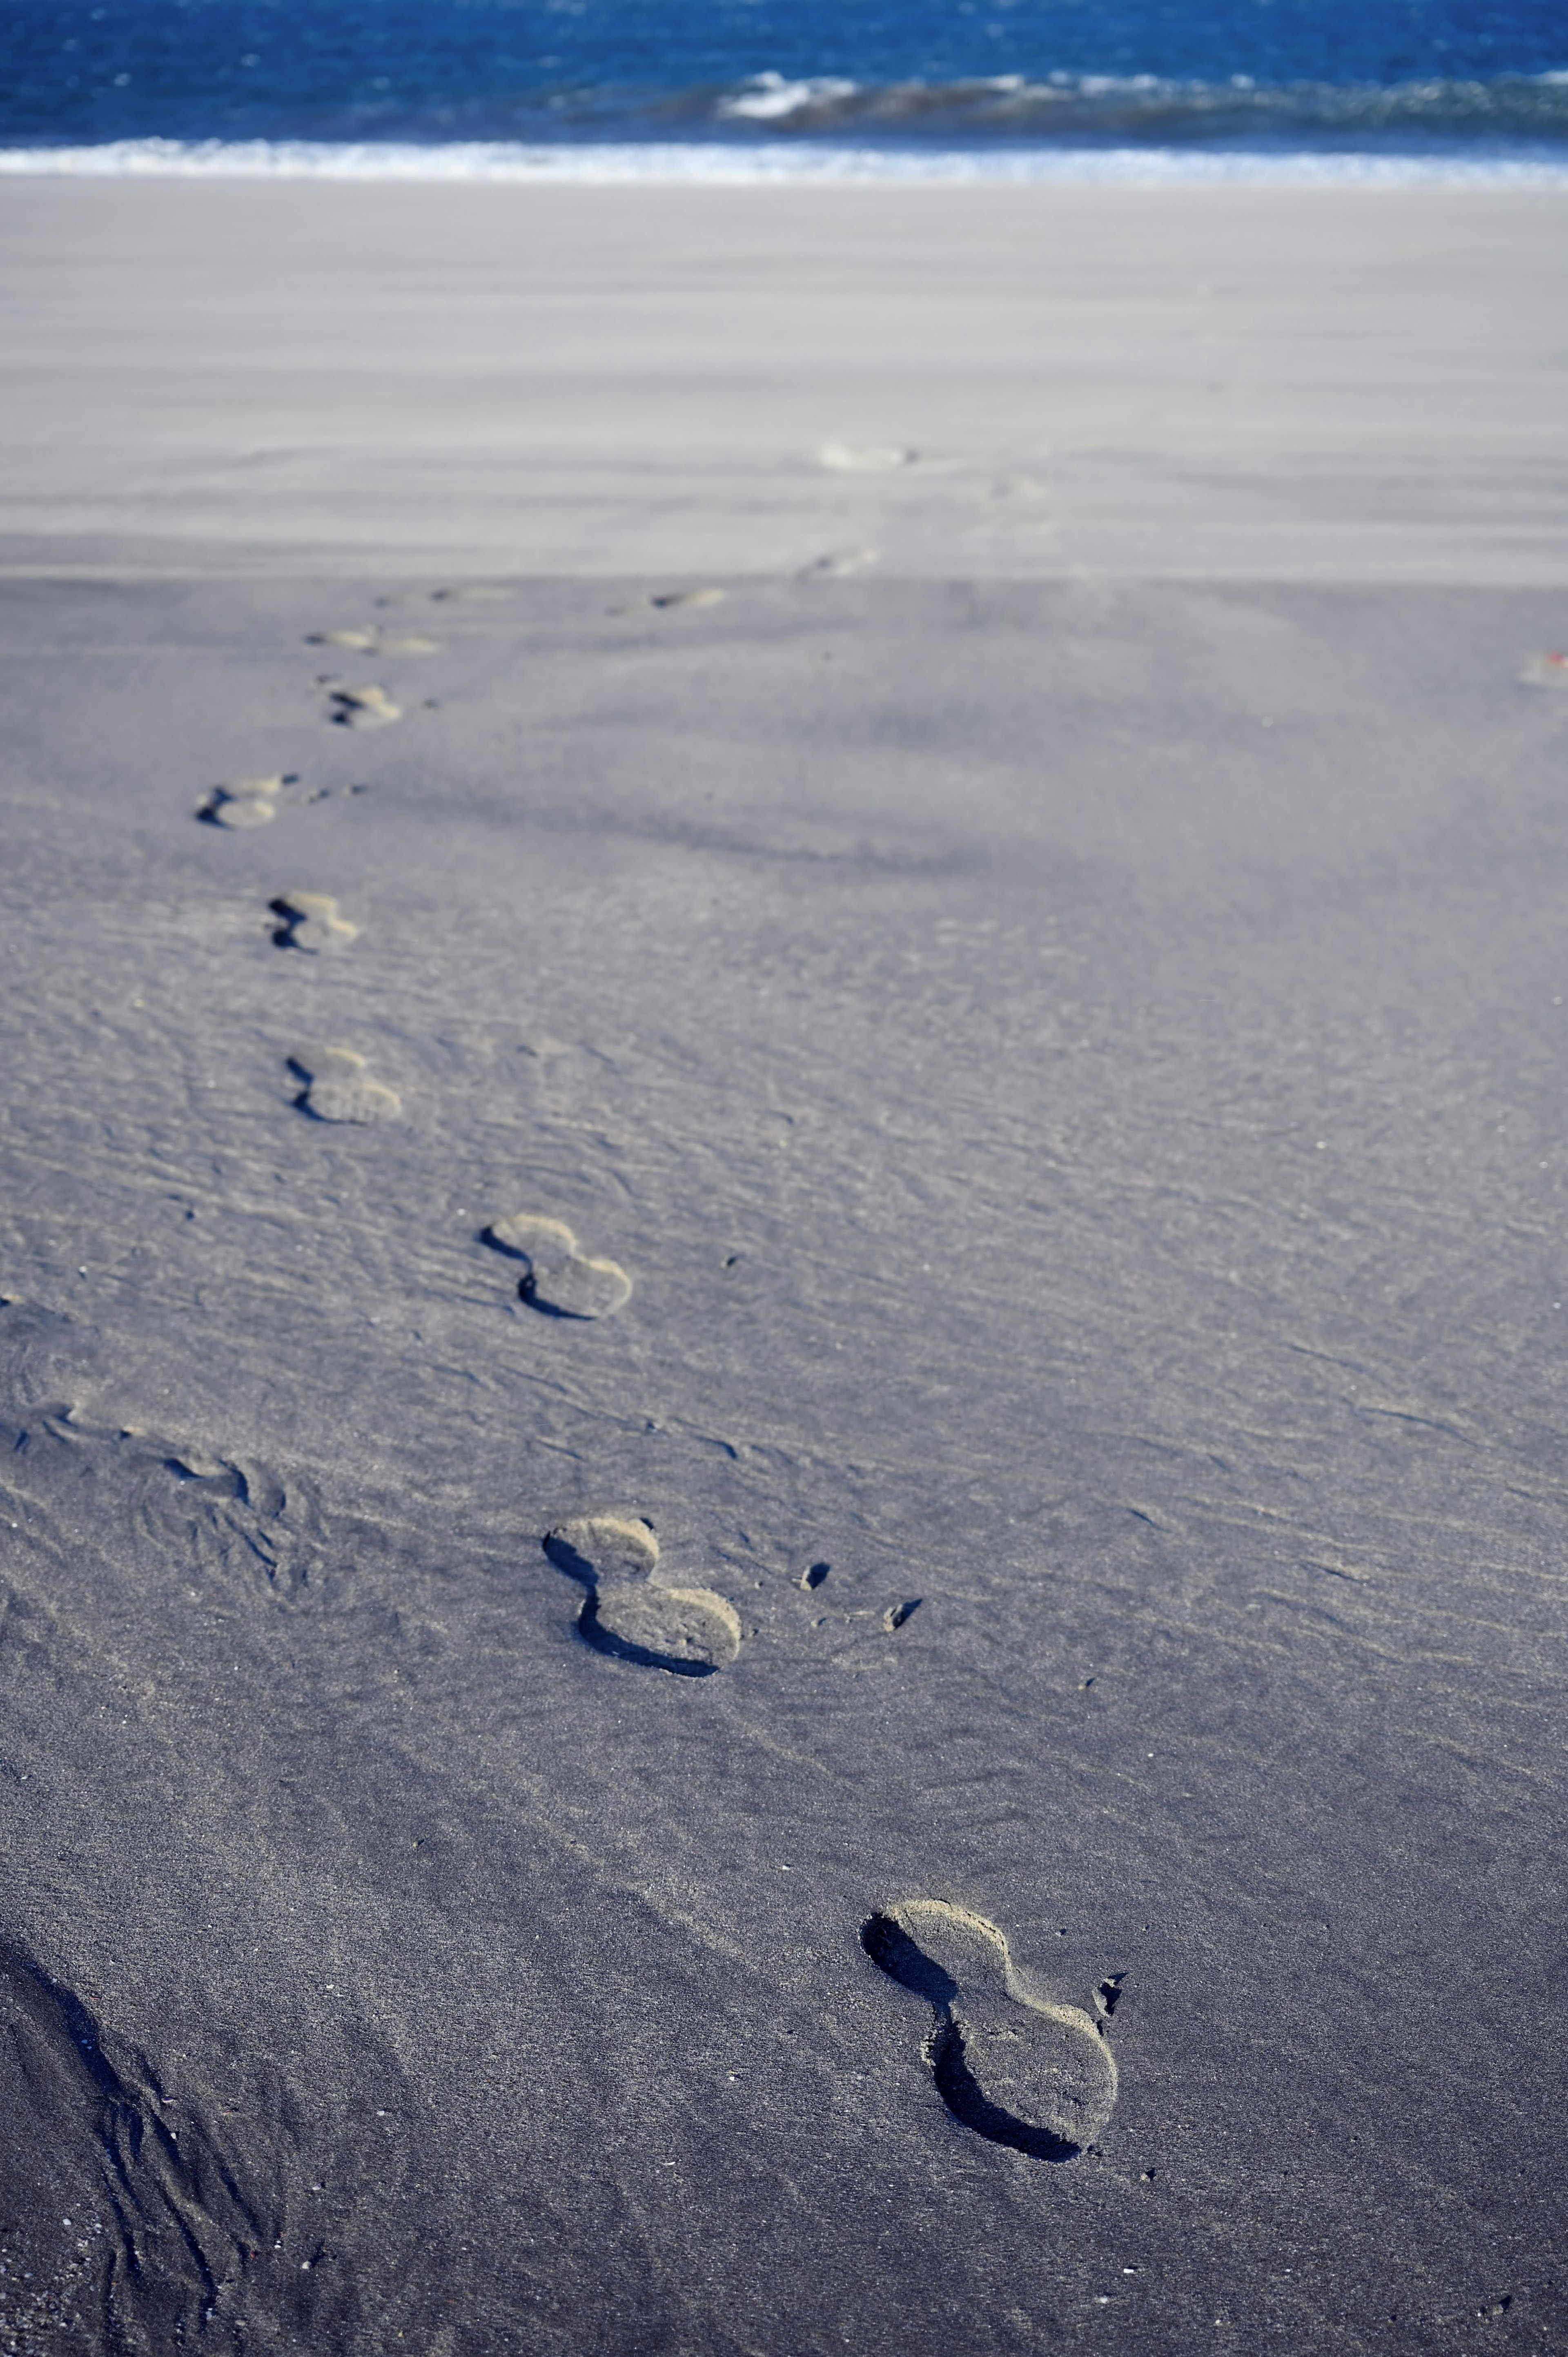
pixel 1482 80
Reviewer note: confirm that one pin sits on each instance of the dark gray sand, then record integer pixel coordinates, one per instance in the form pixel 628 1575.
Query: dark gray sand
pixel 964 1753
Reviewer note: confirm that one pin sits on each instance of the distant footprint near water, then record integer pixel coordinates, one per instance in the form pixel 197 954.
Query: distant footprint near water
pixel 840 566
pixel 664 600
pixel 310 921
pixel 371 641
pixel 864 458
pixel 629 1611
pixel 558 1276
pixel 339 1087
pixel 1016 2068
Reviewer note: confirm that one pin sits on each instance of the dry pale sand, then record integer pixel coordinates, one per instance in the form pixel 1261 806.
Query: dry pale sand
pixel 783 1533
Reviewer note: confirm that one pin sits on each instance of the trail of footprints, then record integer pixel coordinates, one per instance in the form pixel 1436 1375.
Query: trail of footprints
pixel 1018 2068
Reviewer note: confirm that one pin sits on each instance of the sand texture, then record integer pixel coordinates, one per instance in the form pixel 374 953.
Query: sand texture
pixel 782 1538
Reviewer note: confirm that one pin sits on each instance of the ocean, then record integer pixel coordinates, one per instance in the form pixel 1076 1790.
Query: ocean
pixel 758 88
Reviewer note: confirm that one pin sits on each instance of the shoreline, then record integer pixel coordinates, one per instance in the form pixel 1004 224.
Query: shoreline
pixel 720 164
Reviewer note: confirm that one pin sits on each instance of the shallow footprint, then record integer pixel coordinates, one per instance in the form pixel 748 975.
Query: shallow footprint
pixel 1016 2068
pixel 249 802
pixel 362 707
pixel 371 641
pixel 557 1277
pixel 630 1613
pixel 309 921
pixel 839 567
pixel 337 1087
pixel 361 640
pixel 863 458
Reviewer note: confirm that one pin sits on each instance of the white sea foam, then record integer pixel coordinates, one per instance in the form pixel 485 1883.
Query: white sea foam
pixel 718 164
pixel 769 98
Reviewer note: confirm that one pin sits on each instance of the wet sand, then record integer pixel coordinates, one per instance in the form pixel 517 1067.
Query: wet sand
pixel 782 1545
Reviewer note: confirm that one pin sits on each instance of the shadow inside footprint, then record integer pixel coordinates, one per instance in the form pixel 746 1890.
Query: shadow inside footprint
pixel 1013 2067
pixel 558 1276
pixel 249 802
pixel 956 2088
pixel 645 1625
pixel 310 921
pixel 362 708
pixel 632 1615
pixel 339 1087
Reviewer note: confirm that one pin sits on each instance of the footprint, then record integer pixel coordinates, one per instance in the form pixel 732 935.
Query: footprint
pixel 630 1613
pixel 666 598
pixel 1016 2068
pixel 1545 670
pixel 864 458
pixel 371 641
pixel 557 1276
pixel 1007 488
pixel 337 1087
pixel 840 567
pixel 249 802
pixel 362 707
pixel 309 921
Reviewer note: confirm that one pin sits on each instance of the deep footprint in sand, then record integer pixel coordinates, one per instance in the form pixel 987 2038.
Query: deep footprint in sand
pixel 362 708
pixel 558 1276
pixel 629 1611
pixel 1017 2069
pixel 310 921
pixel 249 802
pixel 339 1087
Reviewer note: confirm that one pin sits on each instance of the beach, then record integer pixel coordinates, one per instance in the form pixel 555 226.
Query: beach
pixel 783 1188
